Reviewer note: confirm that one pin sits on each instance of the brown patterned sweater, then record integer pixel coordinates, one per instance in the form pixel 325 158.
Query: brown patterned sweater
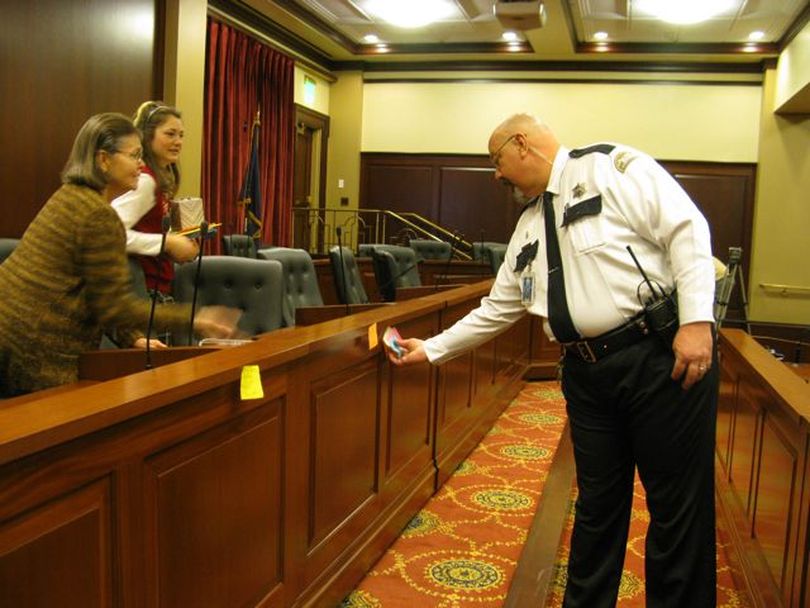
pixel 67 280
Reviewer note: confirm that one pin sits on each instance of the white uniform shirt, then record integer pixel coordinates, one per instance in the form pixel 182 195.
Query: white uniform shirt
pixel 641 206
pixel 131 207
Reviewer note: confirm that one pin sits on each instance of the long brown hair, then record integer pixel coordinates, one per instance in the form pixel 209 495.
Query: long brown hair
pixel 149 116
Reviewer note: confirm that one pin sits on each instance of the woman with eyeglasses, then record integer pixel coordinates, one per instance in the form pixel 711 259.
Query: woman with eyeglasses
pixel 142 210
pixel 68 279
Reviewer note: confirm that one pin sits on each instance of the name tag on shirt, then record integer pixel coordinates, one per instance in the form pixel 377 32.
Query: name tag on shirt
pixel 527 286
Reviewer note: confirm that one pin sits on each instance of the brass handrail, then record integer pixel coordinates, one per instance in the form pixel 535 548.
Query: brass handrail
pixel 785 290
pixel 367 226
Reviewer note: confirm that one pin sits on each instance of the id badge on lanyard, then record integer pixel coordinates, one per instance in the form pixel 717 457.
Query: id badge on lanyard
pixel 527 285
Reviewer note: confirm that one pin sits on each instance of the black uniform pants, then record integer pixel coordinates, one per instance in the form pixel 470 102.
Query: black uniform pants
pixel 626 412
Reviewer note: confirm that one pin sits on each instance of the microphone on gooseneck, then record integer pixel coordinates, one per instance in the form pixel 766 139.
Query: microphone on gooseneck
pixel 165 224
pixel 203 234
pixel 453 244
pixel 343 282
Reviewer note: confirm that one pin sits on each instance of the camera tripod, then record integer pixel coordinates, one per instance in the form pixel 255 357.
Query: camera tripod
pixel 725 287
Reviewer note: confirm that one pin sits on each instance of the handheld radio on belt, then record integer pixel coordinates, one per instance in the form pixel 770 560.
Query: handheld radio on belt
pixel 660 309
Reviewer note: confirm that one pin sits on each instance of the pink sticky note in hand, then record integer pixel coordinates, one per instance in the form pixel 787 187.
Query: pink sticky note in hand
pixel 391 339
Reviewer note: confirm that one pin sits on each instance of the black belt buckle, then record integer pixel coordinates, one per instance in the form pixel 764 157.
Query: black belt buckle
pixel 585 352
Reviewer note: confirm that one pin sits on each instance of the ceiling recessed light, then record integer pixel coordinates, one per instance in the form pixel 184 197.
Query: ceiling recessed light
pixel 683 12
pixel 411 13
pixel 509 36
pixel 371 38
pixel 750 48
pixel 756 35
pixel 601 36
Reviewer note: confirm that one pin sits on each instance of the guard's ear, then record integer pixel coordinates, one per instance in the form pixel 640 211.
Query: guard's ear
pixel 523 144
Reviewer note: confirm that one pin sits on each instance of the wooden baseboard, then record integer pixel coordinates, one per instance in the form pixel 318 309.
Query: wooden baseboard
pixel 333 586
pixel 541 371
pixel 748 567
pixel 533 575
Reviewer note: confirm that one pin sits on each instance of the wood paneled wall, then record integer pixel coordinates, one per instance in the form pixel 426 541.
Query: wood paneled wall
pixel 456 191
pixel 459 192
pixel 60 63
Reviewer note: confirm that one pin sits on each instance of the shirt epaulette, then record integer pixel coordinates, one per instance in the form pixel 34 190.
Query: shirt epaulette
pixel 603 148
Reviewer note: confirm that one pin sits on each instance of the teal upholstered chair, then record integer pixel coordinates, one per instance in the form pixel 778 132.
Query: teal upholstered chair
pixel 254 286
pixel 348 282
pixel 300 280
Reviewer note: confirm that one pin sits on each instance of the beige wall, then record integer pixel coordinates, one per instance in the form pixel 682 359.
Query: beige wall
pixel 782 216
pixel 669 121
pixel 793 74
pixel 346 128
pixel 184 78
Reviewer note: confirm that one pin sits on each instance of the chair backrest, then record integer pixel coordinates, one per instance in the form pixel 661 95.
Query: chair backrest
pixel 385 273
pixel 406 273
pixel 364 249
pixel 428 249
pixel 495 253
pixel 109 339
pixel 240 245
pixel 348 283
pixel 300 280
pixel 479 249
pixel 254 286
pixel 137 277
pixel 7 245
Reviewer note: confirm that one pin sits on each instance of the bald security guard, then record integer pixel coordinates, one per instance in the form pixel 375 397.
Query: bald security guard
pixel 635 397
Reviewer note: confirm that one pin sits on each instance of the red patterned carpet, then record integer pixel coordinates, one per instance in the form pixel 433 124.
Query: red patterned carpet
pixel 461 550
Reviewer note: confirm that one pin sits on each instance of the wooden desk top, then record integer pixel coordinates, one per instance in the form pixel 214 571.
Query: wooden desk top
pixel 802 369
pixel 43 419
pixel 784 384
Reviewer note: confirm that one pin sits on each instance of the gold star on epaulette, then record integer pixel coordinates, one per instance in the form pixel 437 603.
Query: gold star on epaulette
pixel 579 190
pixel 622 160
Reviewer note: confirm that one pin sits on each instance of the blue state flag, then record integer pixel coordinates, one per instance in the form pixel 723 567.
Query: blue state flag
pixel 250 195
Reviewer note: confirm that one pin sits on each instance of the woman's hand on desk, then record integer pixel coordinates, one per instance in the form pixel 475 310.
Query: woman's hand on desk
pixel 217 321
pixel 413 351
pixel 153 343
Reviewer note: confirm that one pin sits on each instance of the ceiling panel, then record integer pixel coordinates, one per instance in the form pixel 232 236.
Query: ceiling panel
pixel 471 34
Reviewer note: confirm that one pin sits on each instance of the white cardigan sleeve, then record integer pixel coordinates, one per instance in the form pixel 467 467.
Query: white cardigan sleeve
pixel 131 207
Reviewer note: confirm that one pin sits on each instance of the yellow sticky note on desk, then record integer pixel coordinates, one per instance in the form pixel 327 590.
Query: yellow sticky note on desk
pixel 250 386
pixel 372 337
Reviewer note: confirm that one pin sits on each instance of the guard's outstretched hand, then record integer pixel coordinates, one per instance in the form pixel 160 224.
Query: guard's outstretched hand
pixel 692 346
pixel 413 351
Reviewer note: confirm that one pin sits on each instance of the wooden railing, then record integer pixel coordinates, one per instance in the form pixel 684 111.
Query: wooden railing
pixel 165 488
pixel 763 458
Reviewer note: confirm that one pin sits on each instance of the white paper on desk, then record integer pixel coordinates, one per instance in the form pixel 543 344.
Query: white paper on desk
pixel 223 342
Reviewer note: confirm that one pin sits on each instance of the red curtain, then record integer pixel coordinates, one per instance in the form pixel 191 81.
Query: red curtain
pixel 243 76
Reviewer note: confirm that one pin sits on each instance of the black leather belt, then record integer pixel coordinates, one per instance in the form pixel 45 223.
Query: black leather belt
pixel 593 349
